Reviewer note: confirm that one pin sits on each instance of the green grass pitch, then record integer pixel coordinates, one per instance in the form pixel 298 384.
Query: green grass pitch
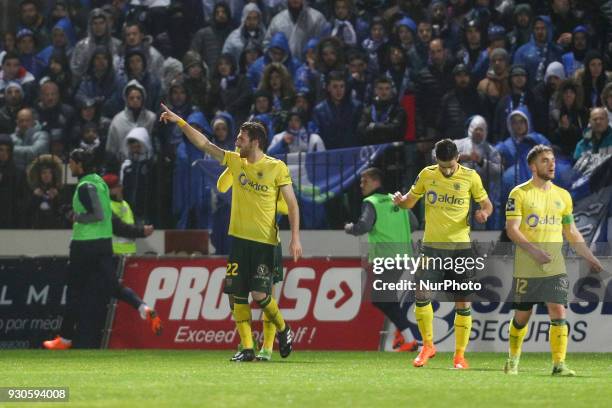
pixel 157 378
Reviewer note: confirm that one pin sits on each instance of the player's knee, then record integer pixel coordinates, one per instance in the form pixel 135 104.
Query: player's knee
pixel 556 311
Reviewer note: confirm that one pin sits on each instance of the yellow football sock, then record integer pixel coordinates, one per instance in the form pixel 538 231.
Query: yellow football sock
pixel 270 308
pixel 558 340
pixel 515 338
pixel 269 331
pixel 424 317
pixel 463 328
pixel 242 316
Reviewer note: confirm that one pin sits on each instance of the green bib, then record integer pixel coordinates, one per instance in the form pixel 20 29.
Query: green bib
pixel 123 246
pixel 96 230
pixel 390 234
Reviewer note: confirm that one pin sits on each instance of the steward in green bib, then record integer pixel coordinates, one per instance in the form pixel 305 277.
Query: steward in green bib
pixel 389 234
pixel 91 275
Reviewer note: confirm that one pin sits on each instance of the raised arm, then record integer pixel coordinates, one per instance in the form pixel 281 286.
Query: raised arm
pixel 295 247
pixel 407 200
pixel 198 139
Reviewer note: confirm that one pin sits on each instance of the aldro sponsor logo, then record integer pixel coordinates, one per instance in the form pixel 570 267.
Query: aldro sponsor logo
pixel 433 197
pixel 533 220
pixel 244 181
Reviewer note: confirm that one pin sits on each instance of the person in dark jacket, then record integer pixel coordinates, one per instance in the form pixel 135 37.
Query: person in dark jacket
pixel 593 79
pixel 58 71
pixel 88 111
pixel 338 115
pixel 568 119
pixel 13 103
pixel 135 67
pixel 208 41
pixel 431 84
pixel 460 103
pixel 230 91
pixel 55 117
pixel 384 120
pixel 45 176
pixel 195 74
pixel 13 188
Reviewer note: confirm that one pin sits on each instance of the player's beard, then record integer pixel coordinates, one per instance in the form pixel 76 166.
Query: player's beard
pixel 544 175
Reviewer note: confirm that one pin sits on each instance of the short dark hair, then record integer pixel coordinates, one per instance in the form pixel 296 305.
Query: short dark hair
pixel 133 23
pixel 25 2
pixel 256 131
pixel 446 150
pixel 383 80
pixel 535 152
pixel 10 55
pixel 374 173
pixel 85 157
pixel 335 76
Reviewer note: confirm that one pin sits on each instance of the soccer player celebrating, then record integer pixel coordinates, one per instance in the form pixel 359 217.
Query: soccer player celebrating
pixel 448 188
pixel 224 183
pixel 257 181
pixel 538 215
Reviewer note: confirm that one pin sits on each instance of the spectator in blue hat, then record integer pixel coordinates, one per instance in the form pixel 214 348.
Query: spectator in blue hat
pixel 307 74
pixel 63 39
pixel 405 35
pixel 277 51
pixel 574 59
pixel 26 47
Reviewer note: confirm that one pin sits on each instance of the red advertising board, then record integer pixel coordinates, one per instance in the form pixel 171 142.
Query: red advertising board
pixel 320 298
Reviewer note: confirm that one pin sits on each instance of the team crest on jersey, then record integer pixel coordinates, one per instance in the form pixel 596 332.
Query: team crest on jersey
pixel 510 206
pixel 558 204
pixel 457 186
pixel 259 174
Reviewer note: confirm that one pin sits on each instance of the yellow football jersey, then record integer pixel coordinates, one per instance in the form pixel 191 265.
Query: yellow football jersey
pixel 542 214
pixel 255 191
pixel 447 203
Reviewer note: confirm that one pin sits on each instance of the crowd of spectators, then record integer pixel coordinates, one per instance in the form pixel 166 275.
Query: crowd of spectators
pixel 496 76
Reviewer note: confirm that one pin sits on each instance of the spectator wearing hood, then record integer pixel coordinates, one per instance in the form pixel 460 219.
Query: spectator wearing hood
pixel 138 175
pixel 597 139
pixel 88 112
pixel 472 53
pixel 574 59
pixel 29 139
pixel 135 38
pixel 26 47
pixel 277 51
pixel 545 95
pixel 514 149
pixel 278 82
pixel 375 46
pixel 252 52
pixel 539 52
pixel 196 79
pixel 46 198
pixel 296 138
pixel 190 193
pixel 99 34
pixel 496 84
pixel 384 120
pixel 475 152
pixel 261 111
pixel 431 84
pixel 135 114
pixel 223 131
pixel 208 41
pixel 251 29
pixel 405 35
pixel 568 118
pixel 520 96
pixel 443 27
pixel 13 189
pixel 58 71
pixel 102 83
pixel 522 23
pixel 593 79
pixel 307 75
pixel 31 18
pixel 169 134
pixel 13 103
pixel 135 68
pixel 458 104
pixel 337 116
pixel 299 23
pixel 230 91
pixel 13 71
pixel 55 117
pixel 63 40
